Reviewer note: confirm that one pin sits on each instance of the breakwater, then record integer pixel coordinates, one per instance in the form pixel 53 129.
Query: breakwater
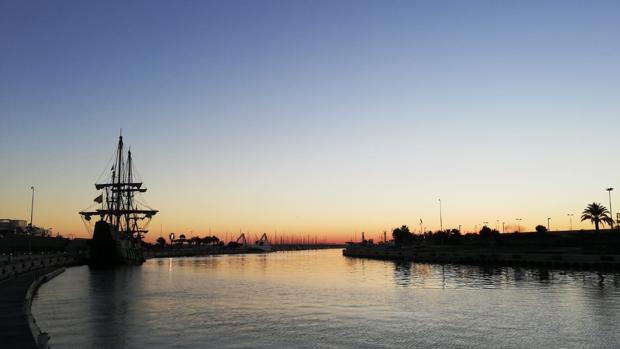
pixel 550 257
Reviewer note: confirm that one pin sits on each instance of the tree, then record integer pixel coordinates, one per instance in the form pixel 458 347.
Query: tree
pixel 597 214
pixel 161 241
pixel 541 229
pixel 402 236
pixel 487 233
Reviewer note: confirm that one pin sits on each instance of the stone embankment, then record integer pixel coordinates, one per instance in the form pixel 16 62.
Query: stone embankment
pixel 552 257
pixel 13 265
pixel 20 277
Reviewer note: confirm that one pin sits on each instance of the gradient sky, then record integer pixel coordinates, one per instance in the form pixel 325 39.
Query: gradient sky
pixel 312 117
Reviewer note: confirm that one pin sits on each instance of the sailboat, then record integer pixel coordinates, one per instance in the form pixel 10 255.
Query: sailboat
pixel 117 236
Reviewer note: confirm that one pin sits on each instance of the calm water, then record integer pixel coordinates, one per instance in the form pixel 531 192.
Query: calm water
pixel 319 299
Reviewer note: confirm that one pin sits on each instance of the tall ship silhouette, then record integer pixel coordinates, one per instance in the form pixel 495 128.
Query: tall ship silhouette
pixel 123 220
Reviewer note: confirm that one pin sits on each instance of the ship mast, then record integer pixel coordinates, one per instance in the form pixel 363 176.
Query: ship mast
pixel 120 210
pixel 119 165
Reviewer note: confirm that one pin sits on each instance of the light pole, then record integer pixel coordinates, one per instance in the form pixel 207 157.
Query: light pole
pixel 548 227
pixel 518 224
pixel 611 212
pixel 31 208
pixel 497 224
pixel 570 218
pixel 440 217
pixel 30 232
pixel 503 227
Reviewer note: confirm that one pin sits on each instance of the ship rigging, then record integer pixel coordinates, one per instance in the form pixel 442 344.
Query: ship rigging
pixel 119 205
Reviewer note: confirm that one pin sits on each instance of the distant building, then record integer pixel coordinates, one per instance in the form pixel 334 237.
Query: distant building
pixel 13 226
pixel 20 226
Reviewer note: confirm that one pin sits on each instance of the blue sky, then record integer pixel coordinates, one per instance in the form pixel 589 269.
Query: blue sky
pixel 328 117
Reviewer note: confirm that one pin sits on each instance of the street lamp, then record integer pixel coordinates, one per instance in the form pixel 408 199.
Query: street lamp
pixel 570 217
pixel 31 208
pixel 30 232
pixel 548 228
pixel 503 227
pixel 519 224
pixel 611 212
pixel 440 217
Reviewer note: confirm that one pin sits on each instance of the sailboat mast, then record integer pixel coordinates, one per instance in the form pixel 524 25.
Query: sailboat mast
pixel 129 193
pixel 119 177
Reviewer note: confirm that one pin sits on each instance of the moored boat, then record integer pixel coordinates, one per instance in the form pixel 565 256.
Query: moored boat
pixel 117 235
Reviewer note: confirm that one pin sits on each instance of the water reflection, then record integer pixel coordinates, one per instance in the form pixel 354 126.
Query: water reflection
pixel 320 299
pixel 426 275
pixel 109 292
pixel 402 273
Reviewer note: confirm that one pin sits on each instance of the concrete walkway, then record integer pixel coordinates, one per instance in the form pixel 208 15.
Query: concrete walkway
pixel 14 328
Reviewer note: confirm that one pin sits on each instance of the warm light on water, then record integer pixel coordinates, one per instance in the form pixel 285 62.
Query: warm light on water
pixel 319 299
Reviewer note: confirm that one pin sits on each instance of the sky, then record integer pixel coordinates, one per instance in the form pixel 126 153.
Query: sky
pixel 322 118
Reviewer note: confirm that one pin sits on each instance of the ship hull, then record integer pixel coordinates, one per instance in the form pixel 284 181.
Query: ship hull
pixel 109 249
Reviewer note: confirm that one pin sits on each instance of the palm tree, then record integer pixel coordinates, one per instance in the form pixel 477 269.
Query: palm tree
pixel 596 213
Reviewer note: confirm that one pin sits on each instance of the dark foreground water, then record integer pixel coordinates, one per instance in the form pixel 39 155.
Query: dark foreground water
pixel 319 299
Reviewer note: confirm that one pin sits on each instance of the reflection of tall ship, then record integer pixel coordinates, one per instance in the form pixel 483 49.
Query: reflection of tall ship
pixel 117 237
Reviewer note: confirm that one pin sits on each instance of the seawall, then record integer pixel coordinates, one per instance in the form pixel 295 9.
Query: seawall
pixel 556 258
pixel 12 266
pixel 20 277
pixel 39 337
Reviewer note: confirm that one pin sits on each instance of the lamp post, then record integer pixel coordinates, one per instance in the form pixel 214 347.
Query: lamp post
pixel 30 230
pixel 611 212
pixel 31 208
pixel 570 218
pixel 503 227
pixel 548 227
pixel 440 217
pixel 518 224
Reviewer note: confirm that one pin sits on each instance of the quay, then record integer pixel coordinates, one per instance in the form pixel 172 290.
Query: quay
pixel 547 257
pixel 20 278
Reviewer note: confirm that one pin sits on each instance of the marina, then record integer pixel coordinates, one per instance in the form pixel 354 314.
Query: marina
pixel 309 174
